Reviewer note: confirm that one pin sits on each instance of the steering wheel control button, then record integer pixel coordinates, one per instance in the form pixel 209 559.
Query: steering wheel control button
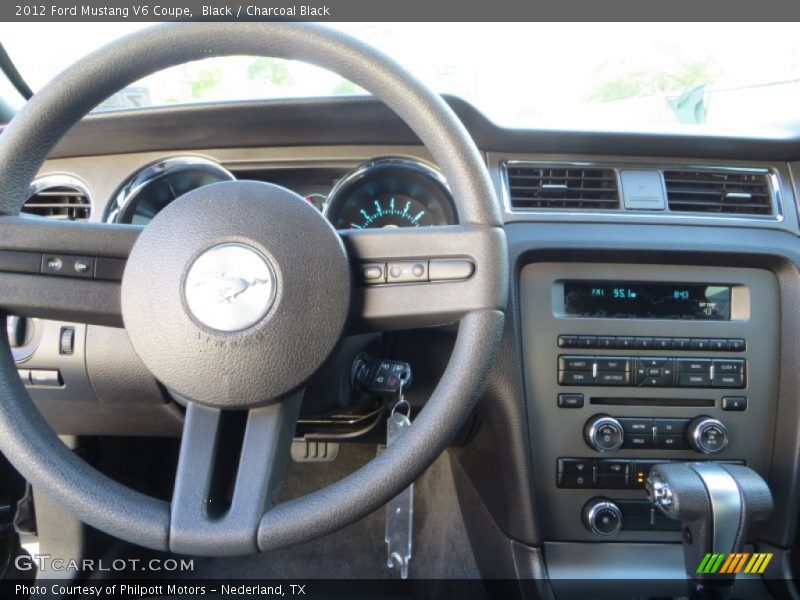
pixel 83 267
pixel 734 403
pixel 707 435
pixel 230 287
pixel 67 266
pixel 406 271
pixel 604 433
pixel 45 378
pixel 450 269
pixel 570 400
pixel 602 517
pixel 373 273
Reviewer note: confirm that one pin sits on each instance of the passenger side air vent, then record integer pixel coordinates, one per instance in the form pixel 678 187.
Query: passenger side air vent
pixel 59 197
pixel 533 186
pixel 726 192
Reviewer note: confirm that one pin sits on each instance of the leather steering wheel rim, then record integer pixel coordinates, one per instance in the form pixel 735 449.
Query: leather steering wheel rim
pixel 35 450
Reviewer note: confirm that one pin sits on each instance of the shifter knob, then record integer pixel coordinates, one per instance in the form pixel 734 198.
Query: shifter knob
pixel 715 503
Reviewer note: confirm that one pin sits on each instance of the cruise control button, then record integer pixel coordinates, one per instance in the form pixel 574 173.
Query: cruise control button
pixel 406 271
pixel 734 403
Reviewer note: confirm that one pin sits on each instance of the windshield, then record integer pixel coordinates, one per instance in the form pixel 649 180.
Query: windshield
pixel 733 78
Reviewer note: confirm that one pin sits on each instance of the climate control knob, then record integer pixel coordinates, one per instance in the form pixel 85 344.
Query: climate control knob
pixel 603 433
pixel 707 435
pixel 602 516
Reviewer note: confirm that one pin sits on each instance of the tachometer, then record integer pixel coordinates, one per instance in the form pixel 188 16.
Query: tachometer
pixel 390 192
pixel 148 191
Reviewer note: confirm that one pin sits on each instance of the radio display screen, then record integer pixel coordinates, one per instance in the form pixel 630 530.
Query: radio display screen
pixel 623 300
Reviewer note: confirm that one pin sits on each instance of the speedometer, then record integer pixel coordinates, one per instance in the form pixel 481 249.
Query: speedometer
pixel 390 192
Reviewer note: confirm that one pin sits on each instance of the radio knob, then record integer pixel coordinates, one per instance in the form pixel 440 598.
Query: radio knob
pixel 602 516
pixel 707 435
pixel 603 433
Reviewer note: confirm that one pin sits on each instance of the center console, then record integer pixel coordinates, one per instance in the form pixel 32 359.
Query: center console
pixel 628 366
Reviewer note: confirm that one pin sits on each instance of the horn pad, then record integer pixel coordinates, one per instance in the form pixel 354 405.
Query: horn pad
pixel 236 293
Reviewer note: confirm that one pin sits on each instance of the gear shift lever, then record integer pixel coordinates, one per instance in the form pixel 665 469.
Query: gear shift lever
pixel 715 503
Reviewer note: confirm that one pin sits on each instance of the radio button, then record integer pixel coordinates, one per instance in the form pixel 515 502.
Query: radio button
pixel 694 365
pixel 603 433
pixel 670 426
pixel 734 403
pixel 613 364
pixel 724 380
pixel 575 377
pixel 607 342
pixel 587 341
pixel 657 361
pixel 626 343
pixel 568 341
pixel 700 344
pixel 662 344
pixel 639 442
pixel 737 345
pixel 671 442
pixel 575 363
pixel 728 366
pixel 570 400
pixel 653 382
pixel 637 425
pixel 694 380
pixel 644 343
pixel 612 378
pixel 681 344
pixel 720 345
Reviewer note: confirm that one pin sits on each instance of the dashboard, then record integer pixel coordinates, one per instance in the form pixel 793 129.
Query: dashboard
pixel 652 317
pixel 383 192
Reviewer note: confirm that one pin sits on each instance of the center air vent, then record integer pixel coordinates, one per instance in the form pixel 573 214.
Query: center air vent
pixel 59 197
pixel 727 192
pixel 532 186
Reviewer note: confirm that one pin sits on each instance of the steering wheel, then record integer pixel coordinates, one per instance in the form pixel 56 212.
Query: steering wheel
pixel 233 297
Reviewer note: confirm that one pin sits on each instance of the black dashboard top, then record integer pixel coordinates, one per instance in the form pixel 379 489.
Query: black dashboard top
pixel 364 120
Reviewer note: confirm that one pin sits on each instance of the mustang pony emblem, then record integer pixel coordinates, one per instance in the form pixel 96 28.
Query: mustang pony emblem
pixel 228 287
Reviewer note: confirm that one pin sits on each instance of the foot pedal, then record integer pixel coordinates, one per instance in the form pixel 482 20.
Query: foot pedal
pixel 304 452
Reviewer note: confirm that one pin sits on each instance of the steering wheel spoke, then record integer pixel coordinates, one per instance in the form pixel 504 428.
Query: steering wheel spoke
pixel 211 500
pixel 440 295
pixel 63 270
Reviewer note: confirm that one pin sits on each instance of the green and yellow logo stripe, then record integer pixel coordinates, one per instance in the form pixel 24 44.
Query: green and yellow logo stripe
pixel 727 564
